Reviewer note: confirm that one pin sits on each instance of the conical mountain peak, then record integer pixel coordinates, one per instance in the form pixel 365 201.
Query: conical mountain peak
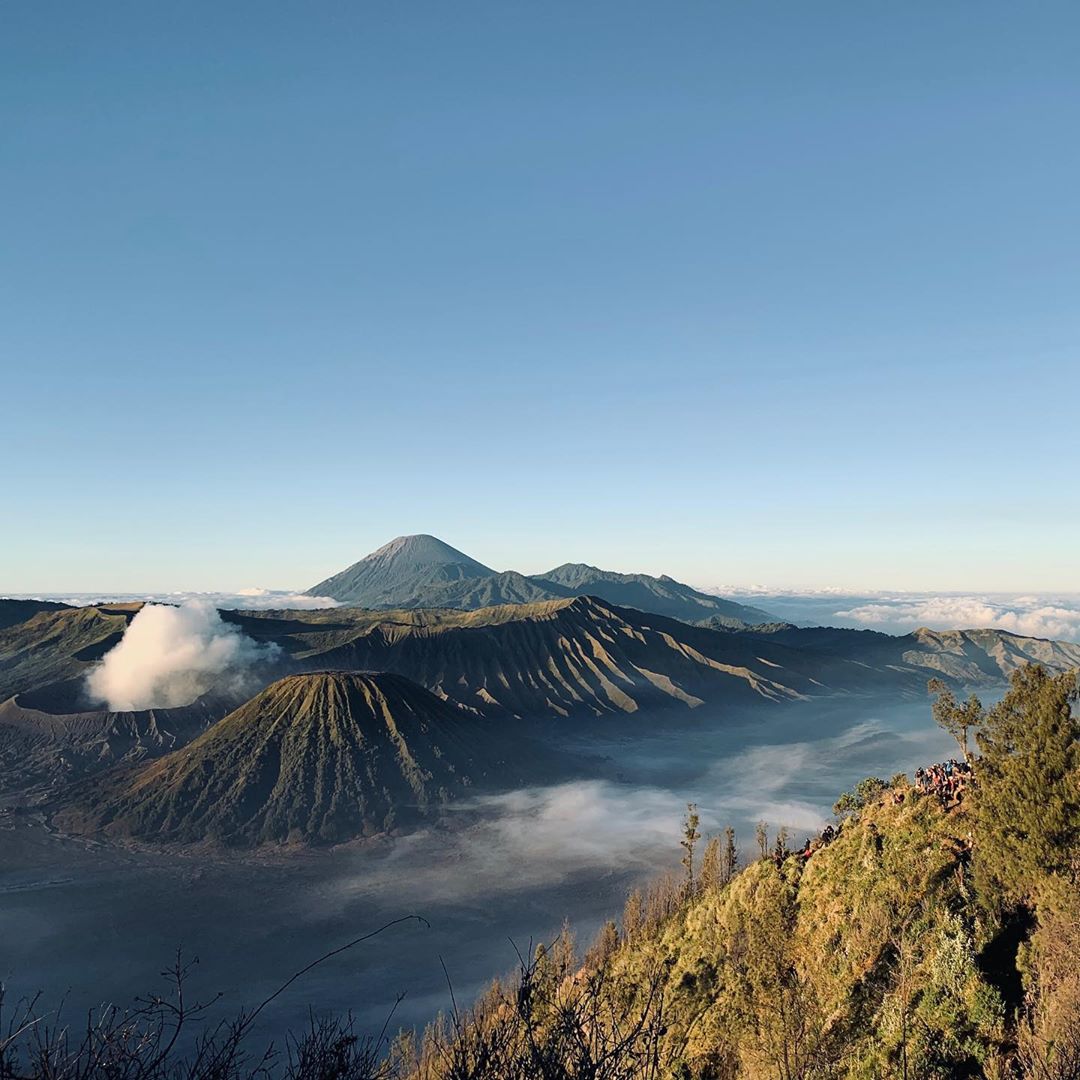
pixel 315 758
pixel 395 574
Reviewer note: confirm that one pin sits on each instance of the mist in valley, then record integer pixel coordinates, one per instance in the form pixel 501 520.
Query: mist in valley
pixel 93 923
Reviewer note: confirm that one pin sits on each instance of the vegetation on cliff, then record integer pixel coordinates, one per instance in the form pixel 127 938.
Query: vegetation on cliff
pixel 916 939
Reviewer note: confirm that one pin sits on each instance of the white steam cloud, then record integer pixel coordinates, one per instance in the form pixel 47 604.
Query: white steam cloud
pixel 169 656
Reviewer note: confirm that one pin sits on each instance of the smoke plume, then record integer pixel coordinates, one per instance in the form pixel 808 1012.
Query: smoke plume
pixel 169 656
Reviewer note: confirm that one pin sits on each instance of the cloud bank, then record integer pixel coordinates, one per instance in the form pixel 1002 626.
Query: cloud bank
pixel 169 656
pixel 1029 616
pixel 1045 616
pixel 251 599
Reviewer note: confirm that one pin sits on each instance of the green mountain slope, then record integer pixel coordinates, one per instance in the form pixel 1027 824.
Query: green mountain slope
pixel 863 961
pixel 316 758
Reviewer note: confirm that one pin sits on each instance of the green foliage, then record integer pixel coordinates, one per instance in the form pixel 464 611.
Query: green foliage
pixel 710 876
pixel 866 792
pixel 690 837
pixel 959 720
pixel 761 837
pixel 1027 801
pixel 729 856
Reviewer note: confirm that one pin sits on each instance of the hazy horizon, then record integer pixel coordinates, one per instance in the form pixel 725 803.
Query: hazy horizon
pixel 1043 615
pixel 717 581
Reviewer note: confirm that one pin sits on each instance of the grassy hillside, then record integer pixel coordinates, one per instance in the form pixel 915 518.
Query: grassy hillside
pixel 922 940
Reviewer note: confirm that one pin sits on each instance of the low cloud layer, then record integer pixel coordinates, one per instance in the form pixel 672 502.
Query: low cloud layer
pixel 1042 616
pixel 169 656
pixel 1030 616
pixel 557 837
pixel 250 599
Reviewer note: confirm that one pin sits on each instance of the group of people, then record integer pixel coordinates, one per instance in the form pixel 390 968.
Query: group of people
pixel 816 843
pixel 946 780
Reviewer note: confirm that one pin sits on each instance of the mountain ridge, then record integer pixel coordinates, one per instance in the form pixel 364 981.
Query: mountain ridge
pixel 423 571
pixel 576 658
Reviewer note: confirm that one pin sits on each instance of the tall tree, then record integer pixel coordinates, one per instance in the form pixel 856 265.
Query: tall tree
pixel 709 879
pixel 729 856
pixel 1027 798
pixel 633 914
pixel 761 834
pixel 690 837
pixel 959 720
pixel 780 848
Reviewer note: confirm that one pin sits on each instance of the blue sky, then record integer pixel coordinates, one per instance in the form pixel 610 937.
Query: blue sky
pixel 779 293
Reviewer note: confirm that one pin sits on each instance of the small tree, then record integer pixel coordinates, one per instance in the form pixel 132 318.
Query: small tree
pixel 709 878
pixel 780 848
pixel 958 720
pixel 563 952
pixel 604 947
pixel 690 837
pixel 761 834
pixel 729 856
pixel 846 805
pixel 869 790
pixel 633 916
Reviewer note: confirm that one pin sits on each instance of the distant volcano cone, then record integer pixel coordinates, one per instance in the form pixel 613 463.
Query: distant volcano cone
pixel 315 758
pixel 398 571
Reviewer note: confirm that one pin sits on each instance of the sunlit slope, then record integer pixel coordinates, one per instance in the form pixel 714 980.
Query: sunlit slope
pixel 578 656
pixel 565 657
pixel 17 611
pixel 315 758
pixel 56 645
pixel 584 657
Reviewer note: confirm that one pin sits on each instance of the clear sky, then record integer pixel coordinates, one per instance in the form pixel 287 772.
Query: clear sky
pixel 755 292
